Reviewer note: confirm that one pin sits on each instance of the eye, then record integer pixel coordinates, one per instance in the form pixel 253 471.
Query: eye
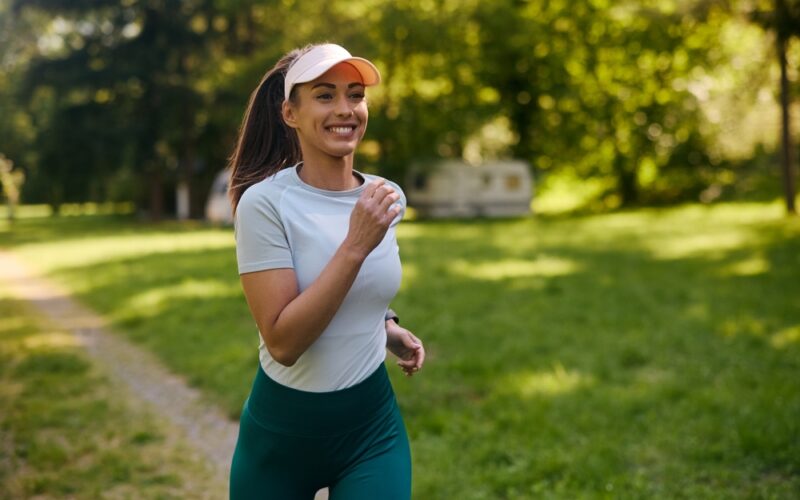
pixel 357 96
pixel 325 97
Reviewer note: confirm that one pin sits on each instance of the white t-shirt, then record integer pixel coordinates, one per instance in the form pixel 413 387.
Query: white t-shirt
pixel 282 222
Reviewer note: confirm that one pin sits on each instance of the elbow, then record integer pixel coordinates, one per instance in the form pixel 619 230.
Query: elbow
pixel 282 356
pixel 278 350
pixel 287 361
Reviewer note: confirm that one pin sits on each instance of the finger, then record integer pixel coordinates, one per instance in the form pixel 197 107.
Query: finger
pixel 392 213
pixel 381 190
pixel 419 358
pixel 418 346
pixel 410 341
pixel 410 365
pixel 407 364
pixel 411 349
pixel 407 370
pixel 388 201
pixel 380 194
pixel 372 187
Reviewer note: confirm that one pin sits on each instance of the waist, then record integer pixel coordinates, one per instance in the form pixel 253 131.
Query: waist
pixel 331 363
pixel 292 411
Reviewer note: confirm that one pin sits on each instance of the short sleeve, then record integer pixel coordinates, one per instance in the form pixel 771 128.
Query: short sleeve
pixel 261 241
pixel 402 202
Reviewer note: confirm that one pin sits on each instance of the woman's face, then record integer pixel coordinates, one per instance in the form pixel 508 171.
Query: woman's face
pixel 330 113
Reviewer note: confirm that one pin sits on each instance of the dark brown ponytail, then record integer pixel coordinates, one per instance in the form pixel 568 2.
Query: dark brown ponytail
pixel 265 144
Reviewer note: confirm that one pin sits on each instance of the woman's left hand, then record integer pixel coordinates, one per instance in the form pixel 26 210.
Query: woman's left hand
pixel 406 346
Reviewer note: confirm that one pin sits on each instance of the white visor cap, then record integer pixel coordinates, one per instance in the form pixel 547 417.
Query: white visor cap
pixel 320 59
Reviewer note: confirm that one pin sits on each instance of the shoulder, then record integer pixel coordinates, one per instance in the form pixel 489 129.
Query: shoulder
pixel 267 192
pixel 263 200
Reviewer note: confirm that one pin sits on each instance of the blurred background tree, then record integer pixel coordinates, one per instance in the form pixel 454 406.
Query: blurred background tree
pixel 782 19
pixel 631 102
pixel 10 182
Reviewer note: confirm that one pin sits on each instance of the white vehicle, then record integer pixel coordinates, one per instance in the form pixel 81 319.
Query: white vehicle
pixel 218 206
pixel 453 188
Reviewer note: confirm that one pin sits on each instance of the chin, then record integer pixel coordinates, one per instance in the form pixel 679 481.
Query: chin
pixel 342 152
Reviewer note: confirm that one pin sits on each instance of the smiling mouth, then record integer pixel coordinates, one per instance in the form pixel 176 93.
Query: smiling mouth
pixel 346 130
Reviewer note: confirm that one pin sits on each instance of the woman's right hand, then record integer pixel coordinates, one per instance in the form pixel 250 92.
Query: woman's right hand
pixel 374 212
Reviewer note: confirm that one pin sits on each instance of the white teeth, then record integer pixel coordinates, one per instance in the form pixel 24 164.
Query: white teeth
pixel 341 130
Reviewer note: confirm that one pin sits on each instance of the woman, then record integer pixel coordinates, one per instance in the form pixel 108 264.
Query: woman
pixel 319 265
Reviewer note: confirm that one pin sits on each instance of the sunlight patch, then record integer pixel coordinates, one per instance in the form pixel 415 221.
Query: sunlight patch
pixel 411 231
pixel 742 325
pixel 544 266
pixel 410 275
pixel 547 383
pixel 785 337
pixel 102 249
pixel 189 289
pixel 50 340
pixel 677 247
pixel 12 324
pixel 751 266
pixel 697 311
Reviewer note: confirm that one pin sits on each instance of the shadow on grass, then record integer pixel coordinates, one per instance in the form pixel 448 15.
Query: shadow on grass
pixel 608 369
pixel 70 227
pixel 627 372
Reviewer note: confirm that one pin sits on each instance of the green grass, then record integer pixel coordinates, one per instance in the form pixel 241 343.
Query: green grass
pixel 641 354
pixel 66 433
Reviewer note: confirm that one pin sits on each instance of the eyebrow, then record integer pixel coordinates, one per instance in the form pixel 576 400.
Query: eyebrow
pixel 332 86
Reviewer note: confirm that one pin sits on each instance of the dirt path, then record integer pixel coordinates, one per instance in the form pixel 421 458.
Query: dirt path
pixel 206 428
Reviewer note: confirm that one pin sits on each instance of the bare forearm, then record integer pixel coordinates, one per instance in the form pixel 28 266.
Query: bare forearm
pixel 304 319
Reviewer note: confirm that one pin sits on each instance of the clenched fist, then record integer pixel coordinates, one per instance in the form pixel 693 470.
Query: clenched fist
pixel 374 212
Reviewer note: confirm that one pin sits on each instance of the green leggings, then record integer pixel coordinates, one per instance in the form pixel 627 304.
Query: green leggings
pixel 292 443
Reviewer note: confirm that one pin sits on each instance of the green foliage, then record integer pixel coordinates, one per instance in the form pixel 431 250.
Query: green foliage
pixel 150 94
pixel 642 354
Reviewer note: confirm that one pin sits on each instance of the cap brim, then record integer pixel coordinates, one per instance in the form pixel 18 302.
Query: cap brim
pixel 369 73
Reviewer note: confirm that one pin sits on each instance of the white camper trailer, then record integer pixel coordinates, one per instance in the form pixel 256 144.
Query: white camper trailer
pixel 218 206
pixel 455 189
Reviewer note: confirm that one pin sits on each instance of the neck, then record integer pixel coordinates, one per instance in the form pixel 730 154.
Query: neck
pixel 329 173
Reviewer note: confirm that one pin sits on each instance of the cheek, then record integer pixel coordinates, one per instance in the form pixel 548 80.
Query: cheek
pixel 362 112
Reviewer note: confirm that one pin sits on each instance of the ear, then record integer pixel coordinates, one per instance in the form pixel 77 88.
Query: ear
pixel 288 114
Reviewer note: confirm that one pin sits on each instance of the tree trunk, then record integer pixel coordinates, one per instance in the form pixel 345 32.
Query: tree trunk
pixel 183 196
pixel 787 159
pixel 627 187
pixel 156 179
pixel 56 198
pixel 522 115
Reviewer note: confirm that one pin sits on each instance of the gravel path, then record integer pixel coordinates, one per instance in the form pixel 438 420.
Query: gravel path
pixel 206 428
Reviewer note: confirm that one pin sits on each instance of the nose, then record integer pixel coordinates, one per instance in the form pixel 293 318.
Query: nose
pixel 343 107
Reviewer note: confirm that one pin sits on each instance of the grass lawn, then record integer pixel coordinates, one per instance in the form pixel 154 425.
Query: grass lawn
pixel 66 433
pixel 642 354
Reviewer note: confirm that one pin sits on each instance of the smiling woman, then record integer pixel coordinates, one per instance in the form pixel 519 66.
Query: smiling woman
pixel 333 119
pixel 319 265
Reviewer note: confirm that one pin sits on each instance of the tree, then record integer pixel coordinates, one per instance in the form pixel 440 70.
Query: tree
pixel 154 90
pixel 10 182
pixel 117 91
pixel 592 87
pixel 782 17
